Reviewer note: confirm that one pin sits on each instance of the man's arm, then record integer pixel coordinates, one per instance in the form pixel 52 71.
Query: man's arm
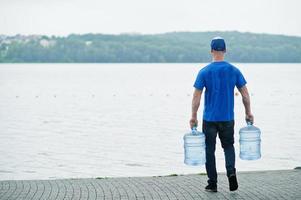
pixel 247 103
pixel 197 94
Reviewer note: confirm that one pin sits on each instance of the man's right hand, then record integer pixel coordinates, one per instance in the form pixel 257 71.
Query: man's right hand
pixel 250 118
pixel 193 122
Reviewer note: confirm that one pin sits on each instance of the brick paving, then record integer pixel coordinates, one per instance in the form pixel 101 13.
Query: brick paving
pixel 284 184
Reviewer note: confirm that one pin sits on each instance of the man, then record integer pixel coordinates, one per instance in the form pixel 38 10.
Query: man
pixel 219 78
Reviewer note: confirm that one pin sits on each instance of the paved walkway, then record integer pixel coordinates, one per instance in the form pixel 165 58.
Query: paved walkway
pixel 284 184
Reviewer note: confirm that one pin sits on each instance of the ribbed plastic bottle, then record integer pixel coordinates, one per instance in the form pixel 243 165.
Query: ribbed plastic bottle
pixel 249 139
pixel 194 148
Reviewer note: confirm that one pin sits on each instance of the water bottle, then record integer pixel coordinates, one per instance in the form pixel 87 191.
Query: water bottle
pixel 194 147
pixel 249 139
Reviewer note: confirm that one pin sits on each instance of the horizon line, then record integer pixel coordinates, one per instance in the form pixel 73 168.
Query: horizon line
pixel 141 33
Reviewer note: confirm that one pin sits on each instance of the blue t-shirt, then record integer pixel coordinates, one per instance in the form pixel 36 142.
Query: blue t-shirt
pixel 219 79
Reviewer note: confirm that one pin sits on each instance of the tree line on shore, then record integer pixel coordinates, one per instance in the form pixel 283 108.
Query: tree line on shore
pixel 173 47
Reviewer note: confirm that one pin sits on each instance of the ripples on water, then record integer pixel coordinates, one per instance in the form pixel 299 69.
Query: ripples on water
pixel 97 120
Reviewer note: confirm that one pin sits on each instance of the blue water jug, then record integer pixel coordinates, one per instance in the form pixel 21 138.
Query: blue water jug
pixel 194 147
pixel 249 139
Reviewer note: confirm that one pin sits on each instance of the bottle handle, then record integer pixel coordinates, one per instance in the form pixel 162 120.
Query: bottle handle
pixel 249 123
pixel 194 130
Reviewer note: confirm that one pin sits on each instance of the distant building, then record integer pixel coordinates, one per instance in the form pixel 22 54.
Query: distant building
pixel 88 43
pixel 47 43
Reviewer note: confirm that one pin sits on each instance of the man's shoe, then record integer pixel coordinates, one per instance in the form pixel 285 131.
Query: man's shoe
pixel 233 185
pixel 211 188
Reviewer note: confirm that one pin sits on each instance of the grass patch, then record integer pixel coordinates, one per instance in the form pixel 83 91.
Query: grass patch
pixel 101 177
pixel 172 175
pixel 202 174
pixel 297 167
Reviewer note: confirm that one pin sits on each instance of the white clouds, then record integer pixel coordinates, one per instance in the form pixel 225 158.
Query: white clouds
pixel 148 16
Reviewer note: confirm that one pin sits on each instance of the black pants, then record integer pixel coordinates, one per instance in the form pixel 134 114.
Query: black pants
pixel 225 131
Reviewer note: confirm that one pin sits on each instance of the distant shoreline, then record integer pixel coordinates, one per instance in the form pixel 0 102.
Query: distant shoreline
pixel 20 63
pixel 172 47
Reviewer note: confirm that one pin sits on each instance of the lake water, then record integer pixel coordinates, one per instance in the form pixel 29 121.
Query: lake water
pixel 108 120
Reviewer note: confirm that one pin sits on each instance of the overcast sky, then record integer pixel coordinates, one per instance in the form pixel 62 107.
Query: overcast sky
pixel 62 17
